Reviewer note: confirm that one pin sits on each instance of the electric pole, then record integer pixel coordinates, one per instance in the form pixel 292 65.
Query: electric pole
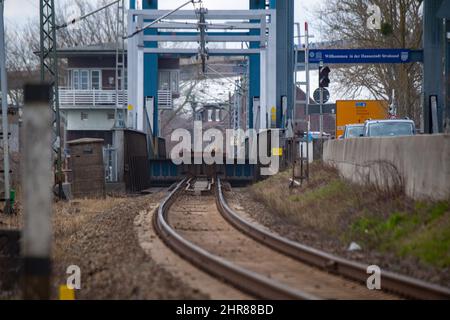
pixel 49 73
pixel 4 88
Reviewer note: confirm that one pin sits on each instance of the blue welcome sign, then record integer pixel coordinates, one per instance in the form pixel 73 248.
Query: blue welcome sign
pixel 354 56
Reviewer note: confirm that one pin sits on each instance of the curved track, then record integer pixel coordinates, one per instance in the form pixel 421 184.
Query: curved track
pixel 261 263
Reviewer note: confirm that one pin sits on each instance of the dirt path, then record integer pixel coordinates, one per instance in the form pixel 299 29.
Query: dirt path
pixel 104 244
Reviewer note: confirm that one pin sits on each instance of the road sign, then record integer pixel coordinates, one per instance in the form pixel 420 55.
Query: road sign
pixel 414 56
pixel 351 56
pixel 358 111
pixel 326 95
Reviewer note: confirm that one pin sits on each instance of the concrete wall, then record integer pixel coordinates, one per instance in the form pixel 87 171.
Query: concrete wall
pixel 420 164
pixel 97 120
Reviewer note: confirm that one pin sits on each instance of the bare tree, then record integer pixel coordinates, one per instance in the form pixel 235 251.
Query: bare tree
pixel 401 28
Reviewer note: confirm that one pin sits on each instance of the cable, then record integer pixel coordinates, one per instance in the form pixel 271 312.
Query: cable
pixel 223 76
pixel 161 18
pixel 65 25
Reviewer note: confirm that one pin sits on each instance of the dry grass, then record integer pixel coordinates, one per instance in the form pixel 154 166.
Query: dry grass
pixel 309 204
pixel 70 217
pixel 379 220
pixel 8 222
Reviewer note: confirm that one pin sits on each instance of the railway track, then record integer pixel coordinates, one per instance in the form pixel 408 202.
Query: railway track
pixel 206 231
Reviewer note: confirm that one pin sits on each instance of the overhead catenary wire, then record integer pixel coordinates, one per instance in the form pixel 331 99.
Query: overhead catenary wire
pixel 82 17
pixel 223 26
pixel 220 74
pixel 162 18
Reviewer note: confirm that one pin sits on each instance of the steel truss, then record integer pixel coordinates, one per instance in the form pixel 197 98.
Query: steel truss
pixel 200 28
pixel 49 73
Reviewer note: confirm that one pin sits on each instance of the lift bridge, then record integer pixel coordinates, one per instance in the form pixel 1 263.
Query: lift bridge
pixel 267 29
pixel 265 35
pixel 264 56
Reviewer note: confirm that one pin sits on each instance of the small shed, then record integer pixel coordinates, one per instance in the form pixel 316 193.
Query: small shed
pixel 87 171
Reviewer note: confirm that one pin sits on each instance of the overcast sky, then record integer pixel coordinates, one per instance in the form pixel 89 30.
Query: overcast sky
pixel 19 11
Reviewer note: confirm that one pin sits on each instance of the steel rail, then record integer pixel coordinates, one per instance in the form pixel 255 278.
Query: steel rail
pixel 250 282
pixel 391 282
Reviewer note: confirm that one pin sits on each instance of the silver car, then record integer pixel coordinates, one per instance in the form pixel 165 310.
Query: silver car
pixel 389 128
pixel 353 131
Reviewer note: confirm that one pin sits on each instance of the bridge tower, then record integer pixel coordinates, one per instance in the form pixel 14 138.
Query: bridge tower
pixel 150 63
pixel 284 60
pixel 255 72
pixel 434 46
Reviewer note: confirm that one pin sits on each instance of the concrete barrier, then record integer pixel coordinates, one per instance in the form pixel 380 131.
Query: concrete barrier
pixel 419 165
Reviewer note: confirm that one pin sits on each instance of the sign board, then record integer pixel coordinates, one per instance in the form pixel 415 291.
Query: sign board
pixel 358 111
pixel 326 95
pixel 277 152
pixel 359 56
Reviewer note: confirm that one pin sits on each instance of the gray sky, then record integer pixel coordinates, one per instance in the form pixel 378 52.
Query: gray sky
pixel 19 11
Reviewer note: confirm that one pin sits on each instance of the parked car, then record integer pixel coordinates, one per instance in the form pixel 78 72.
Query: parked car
pixel 353 131
pixel 314 135
pixel 389 128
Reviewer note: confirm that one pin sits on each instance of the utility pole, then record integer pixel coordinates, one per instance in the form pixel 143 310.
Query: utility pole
pixel 49 73
pixel 4 78
pixel 120 65
pixel 308 94
pixel 203 52
pixel 321 102
pixel 447 75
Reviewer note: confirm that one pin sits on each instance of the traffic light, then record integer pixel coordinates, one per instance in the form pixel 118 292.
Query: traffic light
pixel 324 80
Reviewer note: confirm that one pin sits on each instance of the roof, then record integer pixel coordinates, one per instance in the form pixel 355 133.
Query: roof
pixel 97 49
pixel 85 141
pixel 355 125
pixel 391 120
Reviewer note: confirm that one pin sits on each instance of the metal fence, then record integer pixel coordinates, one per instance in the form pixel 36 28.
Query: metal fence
pixel 90 97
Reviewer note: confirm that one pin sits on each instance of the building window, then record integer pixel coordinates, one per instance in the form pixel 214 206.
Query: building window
pixel 164 80
pixel 76 79
pixel 84 116
pixel 111 116
pixel 95 79
pixel 210 115
pixel 169 80
pixel 84 79
pixel 174 81
pixel 69 79
pixel 218 115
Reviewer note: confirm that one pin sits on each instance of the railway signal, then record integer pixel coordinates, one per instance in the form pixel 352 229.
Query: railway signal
pixel 324 80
